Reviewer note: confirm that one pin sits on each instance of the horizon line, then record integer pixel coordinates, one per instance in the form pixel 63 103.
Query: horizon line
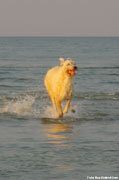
pixel 97 36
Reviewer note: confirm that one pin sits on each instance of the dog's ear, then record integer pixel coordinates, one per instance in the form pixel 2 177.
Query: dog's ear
pixel 61 61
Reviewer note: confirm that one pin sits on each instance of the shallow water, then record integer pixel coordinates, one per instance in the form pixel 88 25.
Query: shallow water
pixel 33 144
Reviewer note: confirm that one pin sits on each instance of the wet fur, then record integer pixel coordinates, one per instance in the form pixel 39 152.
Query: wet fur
pixel 59 85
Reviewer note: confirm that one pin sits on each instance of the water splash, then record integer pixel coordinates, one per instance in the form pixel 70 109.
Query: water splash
pixel 49 112
pixel 17 105
pixel 33 106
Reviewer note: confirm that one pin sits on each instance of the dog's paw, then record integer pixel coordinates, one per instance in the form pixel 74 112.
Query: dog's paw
pixel 73 110
pixel 59 116
pixel 65 111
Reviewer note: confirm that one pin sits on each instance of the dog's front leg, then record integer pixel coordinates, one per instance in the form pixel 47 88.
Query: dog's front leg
pixel 71 109
pixel 66 106
pixel 58 103
pixel 54 106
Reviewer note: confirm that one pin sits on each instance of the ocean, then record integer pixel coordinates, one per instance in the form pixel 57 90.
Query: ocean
pixel 82 145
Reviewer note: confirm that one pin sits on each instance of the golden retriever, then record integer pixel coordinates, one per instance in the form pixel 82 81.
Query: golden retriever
pixel 59 84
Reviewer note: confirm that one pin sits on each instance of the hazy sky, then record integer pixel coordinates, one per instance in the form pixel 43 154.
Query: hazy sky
pixel 59 17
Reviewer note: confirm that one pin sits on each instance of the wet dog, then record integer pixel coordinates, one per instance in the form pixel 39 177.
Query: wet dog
pixel 59 84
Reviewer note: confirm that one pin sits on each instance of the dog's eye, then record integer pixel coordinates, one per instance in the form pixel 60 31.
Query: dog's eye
pixel 68 64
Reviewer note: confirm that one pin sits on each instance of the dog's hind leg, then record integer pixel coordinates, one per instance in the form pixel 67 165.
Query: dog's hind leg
pixel 54 106
pixel 51 97
pixel 58 103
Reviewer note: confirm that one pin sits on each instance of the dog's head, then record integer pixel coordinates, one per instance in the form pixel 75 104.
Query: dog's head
pixel 68 66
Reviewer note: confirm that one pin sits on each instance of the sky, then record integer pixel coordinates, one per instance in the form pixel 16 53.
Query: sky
pixel 59 17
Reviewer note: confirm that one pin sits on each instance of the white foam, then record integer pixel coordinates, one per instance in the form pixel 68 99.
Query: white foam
pixel 18 105
pixel 49 112
pixel 28 105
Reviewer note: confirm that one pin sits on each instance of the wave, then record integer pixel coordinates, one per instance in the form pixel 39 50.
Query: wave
pixel 19 67
pixel 23 102
pixel 97 96
pixel 38 105
pixel 101 67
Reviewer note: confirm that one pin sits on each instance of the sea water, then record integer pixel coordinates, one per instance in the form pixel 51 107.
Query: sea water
pixel 82 145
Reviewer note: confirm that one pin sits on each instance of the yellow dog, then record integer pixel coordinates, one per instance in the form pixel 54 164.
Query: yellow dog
pixel 59 84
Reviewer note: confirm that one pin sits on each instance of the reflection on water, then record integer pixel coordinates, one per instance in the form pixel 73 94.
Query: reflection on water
pixel 59 136
pixel 57 133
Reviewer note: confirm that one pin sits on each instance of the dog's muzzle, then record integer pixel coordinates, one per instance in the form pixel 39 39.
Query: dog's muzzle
pixel 72 72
